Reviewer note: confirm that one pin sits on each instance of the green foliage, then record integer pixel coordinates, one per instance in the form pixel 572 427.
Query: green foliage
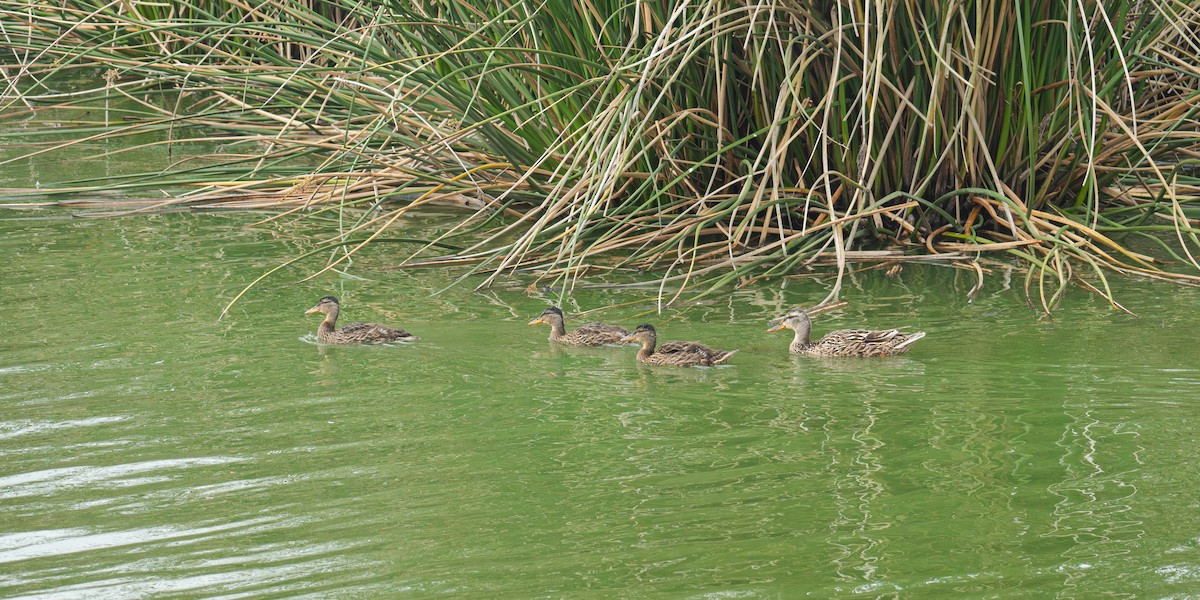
pixel 712 140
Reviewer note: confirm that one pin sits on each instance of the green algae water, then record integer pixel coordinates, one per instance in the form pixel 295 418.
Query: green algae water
pixel 151 450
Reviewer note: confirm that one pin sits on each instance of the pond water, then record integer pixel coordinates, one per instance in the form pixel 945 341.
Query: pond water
pixel 149 449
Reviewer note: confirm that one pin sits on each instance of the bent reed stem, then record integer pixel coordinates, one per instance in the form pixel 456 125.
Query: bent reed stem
pixel 714 142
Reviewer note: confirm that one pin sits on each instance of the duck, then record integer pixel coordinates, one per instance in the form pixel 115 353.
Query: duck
pixel 844 342
pixel 588 334
pixel 683 354
pixel 352 333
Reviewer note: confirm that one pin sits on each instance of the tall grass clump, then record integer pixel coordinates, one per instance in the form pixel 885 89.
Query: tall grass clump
pixel 709 142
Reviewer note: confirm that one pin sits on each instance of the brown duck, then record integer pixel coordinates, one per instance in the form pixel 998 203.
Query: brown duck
pixel 844 342
pixel 352 333
pixel 588 334
pixel 684 354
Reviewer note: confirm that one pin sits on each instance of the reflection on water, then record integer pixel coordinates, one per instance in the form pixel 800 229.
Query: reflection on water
pixel 149 449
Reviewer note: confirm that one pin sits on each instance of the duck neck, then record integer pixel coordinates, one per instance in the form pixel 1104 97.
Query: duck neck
pixel 557 327
pixel 648 344
pixel 803 337
pixel 327 326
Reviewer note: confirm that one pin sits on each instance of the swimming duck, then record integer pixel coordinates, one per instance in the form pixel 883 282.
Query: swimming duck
pixel 844 342
pixel 352 333
pixel 684 354
pixel 588 334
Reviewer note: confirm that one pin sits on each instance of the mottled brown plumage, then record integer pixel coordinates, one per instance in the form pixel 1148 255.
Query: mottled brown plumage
pixel 845 342
pixel 588 334
pixel 352 333
pixel 683 354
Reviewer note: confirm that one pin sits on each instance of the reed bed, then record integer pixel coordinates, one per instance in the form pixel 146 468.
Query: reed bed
pixel 708 143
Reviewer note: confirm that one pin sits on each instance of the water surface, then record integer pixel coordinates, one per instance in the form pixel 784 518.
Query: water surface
pixel 148 449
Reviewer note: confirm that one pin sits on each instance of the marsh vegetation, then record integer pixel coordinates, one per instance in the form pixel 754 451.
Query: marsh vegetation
pixel 707 143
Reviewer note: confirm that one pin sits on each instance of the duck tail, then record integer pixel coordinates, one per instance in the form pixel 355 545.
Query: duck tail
pixel 912 337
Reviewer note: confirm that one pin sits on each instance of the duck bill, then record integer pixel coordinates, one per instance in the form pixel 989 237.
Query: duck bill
pixel 626 340
pixel 537 321
pixel 776 327
pixel 312 310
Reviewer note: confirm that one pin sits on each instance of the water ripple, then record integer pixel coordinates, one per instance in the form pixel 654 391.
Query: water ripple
pixel 12 429
pixel 55 542
pixel 48 482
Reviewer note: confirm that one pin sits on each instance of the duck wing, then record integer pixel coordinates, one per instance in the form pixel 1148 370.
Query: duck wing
pixel 595 327
pixel 595 334
pixel 373 331
pixel 703 354
pixel 684 348
pixel 868 342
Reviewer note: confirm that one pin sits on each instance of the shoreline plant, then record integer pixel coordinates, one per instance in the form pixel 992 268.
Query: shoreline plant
pixel 711 142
